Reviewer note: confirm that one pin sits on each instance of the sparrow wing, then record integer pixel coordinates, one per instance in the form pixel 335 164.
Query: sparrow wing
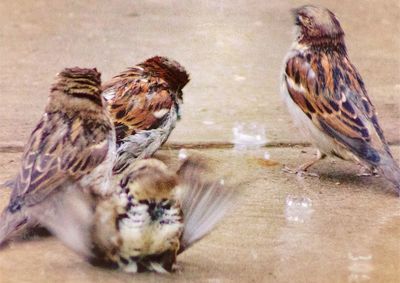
pixel 144 143
pixel 59 150
pixel 137 102
pixel 69 215
pixel 331 93
pixel 204 202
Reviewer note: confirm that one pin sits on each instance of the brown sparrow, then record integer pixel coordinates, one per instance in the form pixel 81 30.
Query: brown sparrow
pixel 155 215
pixel 72 145
pixel 144 104
pixel 326 96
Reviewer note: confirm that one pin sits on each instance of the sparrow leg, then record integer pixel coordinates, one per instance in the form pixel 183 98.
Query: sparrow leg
pixel 302 169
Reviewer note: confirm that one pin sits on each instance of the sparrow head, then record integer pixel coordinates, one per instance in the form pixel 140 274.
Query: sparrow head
pixel 169 70
pixel 317 24
pixel 81 87
pixel 150 179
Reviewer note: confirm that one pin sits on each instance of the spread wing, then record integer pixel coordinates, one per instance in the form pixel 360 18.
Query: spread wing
pixel 205 202
pixel 137 102
pixel 59 150
pixel 331 93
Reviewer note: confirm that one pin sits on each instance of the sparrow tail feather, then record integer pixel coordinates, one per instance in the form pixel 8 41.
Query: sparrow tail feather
pixel 10 224
pixel 391 171
pixel 8 184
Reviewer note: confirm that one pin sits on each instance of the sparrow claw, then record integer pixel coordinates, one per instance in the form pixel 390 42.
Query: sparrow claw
pixel 299 172
pixel 307 174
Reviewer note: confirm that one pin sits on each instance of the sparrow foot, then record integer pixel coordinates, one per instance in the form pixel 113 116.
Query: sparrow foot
pixel 299 172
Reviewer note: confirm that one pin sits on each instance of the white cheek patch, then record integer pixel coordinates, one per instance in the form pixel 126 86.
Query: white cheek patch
pixel 161 113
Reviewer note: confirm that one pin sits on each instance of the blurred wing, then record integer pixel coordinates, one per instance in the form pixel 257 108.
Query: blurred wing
pixel 59 151
pixel 136 102
pixel 204 203
pixel 331 93
pixel 68 214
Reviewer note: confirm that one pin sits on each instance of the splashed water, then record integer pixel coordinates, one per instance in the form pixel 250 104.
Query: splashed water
pixel 249 136
pixel 239 78
pixel 298 209
pixel 182 154
pixel 208 122
pixel 360 266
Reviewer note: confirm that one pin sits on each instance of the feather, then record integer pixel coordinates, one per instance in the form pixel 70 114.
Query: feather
pixel 69 215
pixel 144 143
pixel 9 224
pixel 144 104
pixel 10 184
pixel 204 203
pixel 331 94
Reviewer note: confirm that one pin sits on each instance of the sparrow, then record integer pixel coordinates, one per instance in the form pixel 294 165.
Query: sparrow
pixel 154 215
pixel 73 145
pixel 144 103
pixel 327 98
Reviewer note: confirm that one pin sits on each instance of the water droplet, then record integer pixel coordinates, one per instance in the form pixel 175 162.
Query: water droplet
pixel 239 78
pixel 249 136
pixel 298 209
pixel 182 155
pixel 360 266
pixel 254 254
pixel 208 122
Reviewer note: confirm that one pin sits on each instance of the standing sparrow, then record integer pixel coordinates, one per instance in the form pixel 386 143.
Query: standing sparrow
pixel 73 145
pixel 327 98
pixel 144 105
pixel 155 215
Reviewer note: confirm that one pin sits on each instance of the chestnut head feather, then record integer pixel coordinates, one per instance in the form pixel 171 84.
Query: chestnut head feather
pixel 150 179
pixel 169 70
pixel 318 27
pixel 79 83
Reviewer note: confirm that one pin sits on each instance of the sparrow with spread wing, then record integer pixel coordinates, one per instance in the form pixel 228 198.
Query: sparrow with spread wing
pixel 327 99
pixel 144 104
pixel 73 145
pixel 155 215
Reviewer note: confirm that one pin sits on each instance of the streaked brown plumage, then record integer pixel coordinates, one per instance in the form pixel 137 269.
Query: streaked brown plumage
pixel 144 104
pixel 72 145
pixel 327 98
pixel 155 215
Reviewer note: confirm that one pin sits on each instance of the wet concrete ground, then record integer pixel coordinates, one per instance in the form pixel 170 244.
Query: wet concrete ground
pixel 335 228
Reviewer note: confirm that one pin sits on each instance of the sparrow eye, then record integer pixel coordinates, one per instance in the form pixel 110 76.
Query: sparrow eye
pixel 303 20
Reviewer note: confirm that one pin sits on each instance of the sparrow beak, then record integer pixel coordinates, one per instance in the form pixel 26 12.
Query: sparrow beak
pixel 295 14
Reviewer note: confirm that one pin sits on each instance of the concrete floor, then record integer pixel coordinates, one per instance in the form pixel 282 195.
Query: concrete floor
pixel 337 228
